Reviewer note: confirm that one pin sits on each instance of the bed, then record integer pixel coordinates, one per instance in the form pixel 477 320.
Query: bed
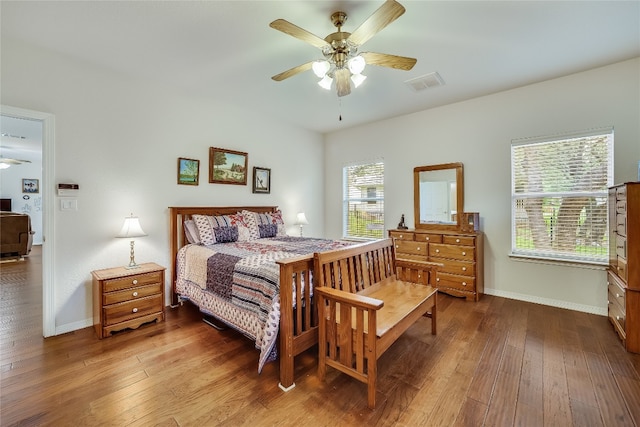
pixel 255 284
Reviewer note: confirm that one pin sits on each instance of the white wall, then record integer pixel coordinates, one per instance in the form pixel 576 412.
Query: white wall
pixel 119 139
pixel 478 133
pixel 11 187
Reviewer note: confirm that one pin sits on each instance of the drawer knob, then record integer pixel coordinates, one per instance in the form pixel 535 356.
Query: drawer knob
pixel 135 294
pixel 418 247
pixel 457 240
pixel 135 310
pixel 464 253
pixel 464 268
pixel 427 239
pixel 438 279
pixel 618 296
pixel 401 236
pixel 464 283
pixel 437 251
pixel 617 317
pixel 135 281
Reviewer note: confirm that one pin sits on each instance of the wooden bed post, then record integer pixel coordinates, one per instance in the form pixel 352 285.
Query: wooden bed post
pixel 286 328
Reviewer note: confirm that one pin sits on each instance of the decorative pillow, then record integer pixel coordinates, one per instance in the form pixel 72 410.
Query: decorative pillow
pixel 238 220
pixel 267 230
pixel 207 224
pixel 226 234
pixel 250 218
pixel 273 218
pixel 191 231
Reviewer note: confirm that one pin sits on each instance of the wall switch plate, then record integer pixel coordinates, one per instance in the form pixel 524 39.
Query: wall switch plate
pixel 68 205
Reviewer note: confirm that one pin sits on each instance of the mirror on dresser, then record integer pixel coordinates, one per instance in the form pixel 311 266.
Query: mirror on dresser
pixel 438 192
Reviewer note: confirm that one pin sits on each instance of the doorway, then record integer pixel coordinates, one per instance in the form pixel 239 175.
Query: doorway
pixel 47 123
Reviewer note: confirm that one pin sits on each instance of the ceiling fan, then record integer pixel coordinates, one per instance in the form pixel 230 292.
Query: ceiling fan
pixel 6 162
pixel 343 62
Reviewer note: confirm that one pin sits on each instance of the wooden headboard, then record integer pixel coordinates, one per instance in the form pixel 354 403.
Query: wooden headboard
pixel 179 214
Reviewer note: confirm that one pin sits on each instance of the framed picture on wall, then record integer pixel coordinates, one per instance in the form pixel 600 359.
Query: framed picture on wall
pixel 188 171
pixel 31 186
pixel 261 180
pixel 227 166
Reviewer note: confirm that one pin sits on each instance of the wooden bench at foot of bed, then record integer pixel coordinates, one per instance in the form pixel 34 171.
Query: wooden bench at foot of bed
pixel 359 290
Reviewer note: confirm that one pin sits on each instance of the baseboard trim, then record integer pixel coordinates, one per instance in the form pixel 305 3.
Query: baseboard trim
pixel 70 327
pixel 548 301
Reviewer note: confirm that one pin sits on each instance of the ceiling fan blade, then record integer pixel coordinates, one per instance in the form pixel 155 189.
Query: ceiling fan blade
pixel 13 161
pixel 385 15
pixel 297 32
pixel 343 84
pixel 293 71
pixel 386 60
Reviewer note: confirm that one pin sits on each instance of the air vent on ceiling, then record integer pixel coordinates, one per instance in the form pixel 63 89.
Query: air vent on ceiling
pixel 427 81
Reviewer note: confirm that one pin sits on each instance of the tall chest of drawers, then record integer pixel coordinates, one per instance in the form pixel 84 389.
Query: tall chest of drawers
pixel 460 253
pixel 127 298
pixel 623 275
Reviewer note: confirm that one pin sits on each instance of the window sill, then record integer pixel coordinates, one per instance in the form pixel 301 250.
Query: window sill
pixel 557 261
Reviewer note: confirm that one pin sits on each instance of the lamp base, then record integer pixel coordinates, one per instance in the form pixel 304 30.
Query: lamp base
pixel 129 267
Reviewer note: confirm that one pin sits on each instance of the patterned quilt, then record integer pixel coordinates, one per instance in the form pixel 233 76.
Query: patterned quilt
pixel 239 283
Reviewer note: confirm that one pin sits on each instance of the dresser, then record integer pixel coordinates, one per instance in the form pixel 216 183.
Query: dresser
pixel 460 252
pixel 127 298
pixel 623 274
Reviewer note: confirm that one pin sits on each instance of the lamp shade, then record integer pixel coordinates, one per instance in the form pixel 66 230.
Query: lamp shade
pixel 131 228
pixel 320 68
pixel 301 219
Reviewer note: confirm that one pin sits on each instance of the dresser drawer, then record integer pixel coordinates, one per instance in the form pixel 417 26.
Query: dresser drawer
pixel 621 246
pixel 401 235
pixel 617 316
pixel 429 238
pixel 621 268
pixel 616 297
pixel 621 224
pixel 621 193
pixel 454 281
pixel 462 268
pixel 132 281
pixel 132 293
pixel 117 313
pixel 412 248
pixel 451 251
pixel 459 240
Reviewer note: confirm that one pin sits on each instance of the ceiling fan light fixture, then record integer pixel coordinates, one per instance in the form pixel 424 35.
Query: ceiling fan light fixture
pixel 320 68
pixel 358 79
pixel 325 83
pixel 356 64
pixel 4 165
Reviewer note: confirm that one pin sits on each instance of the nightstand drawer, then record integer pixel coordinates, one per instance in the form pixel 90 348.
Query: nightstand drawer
pixel 617 316
pixel 132 281
pixel 130 294
pixel 130 310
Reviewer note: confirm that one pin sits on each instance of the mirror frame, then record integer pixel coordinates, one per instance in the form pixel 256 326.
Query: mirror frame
pixel 459 196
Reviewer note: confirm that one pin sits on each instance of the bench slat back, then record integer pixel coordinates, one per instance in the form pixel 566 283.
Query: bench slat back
pixel 357 267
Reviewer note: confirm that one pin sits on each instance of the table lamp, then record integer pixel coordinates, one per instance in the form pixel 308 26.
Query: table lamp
pixel 301 220
pixel 131 229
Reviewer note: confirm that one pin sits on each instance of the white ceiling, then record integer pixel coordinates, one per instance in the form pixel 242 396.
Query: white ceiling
pixel 227 51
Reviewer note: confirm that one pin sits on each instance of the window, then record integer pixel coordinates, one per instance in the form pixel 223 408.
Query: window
pixel 363 201
pixel 559 189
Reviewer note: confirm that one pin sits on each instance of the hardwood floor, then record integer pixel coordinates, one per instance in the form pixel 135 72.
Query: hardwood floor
pixel 497 362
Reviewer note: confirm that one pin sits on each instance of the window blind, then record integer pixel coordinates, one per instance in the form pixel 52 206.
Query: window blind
pixel 560 197
pixel 363 200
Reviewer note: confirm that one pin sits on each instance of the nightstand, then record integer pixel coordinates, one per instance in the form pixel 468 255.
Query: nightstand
pixel 127 298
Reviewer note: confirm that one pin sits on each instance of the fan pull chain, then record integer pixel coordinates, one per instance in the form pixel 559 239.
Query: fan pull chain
pixel 339 109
